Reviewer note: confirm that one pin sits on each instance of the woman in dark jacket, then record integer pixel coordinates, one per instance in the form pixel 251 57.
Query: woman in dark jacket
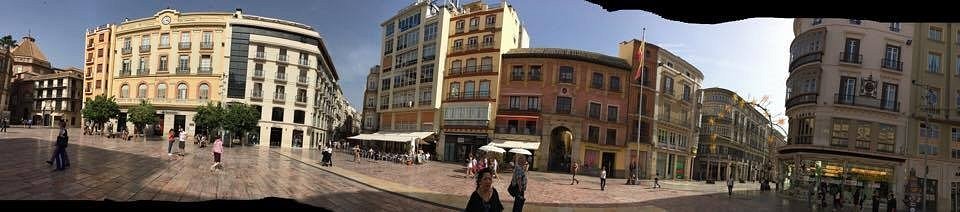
pixel 485 197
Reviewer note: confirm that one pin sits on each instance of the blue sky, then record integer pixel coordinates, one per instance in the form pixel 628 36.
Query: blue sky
pixel 749 57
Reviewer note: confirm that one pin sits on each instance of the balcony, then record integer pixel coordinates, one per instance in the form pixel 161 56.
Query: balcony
pixel 125 72
pixel 505 110
pixel 487 45
pixel 892 64
pixel 516 130
pixel 476 123
pixel 282 58
pixel 279 97
pixel 474 27
pixel 304 62
pixel 205 70
pixel 457 48
pixel 466 96
pixel 472 46
pixel 425 102
pixel 206 45
pixel 459 30
pixel 281 78
pixel 143 71
pixel 869 102
pixel 454 71
pixel 144 48
pixel 302 81
pixel 851 57
pixel 164 46
pixel 259 55
pixel 805 59
pixel 256 95
pixel 384 107
pixel 258 74
pixel 801 99
pixel 126 50
pixel 163 101
pixel 184 46
pixel 162 69
pixel 183 70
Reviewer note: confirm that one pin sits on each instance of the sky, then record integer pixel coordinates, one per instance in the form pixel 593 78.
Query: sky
pixel 749 57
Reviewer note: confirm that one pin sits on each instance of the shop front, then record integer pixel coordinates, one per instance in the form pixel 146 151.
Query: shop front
pixel 459 147
pixel 805 178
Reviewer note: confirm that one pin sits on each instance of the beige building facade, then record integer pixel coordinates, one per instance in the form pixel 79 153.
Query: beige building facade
pixel 97 54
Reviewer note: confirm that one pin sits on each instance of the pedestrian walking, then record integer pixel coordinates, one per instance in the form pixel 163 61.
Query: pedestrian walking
pixel 838 200
pixel 730 186
pixel 170 139
pixel 875 204
pixel 356 153
pixel 631 177
pixel 656 181
pixel 484 197
pixel 573 170
pixel 603 177
pixel 217 153
pixel 60 158
pixel 3 126
pixel 858 197
pixel 518 184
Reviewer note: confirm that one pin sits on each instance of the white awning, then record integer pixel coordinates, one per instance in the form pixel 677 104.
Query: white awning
pixel 510 144
pixel 395 137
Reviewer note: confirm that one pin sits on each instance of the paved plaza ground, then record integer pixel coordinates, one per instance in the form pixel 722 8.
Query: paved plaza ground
pixel 141 170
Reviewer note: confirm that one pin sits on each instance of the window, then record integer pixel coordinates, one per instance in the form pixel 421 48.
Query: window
pixel 125 70
pixel 930 136
pixel 458 44
pixel 484 89
pixel 283 55
pixel 686 92
pixel 142 69
pixel 409 22
pixel 142 91
pixel 145 42
pixel 298 116
pixel 282 72
pixel 165 40
pixel 487 41
pixel 99 52
pixel 426 95
pixel 895 26
pixel 260 52
pixel 594 110
pixel 388 29
pixel 257 90
pixel 455 89
pixel 204 91
pixel 593 134
pixel 564 105
pixel 935 33
pixel 277 114
pixel 486 64
pixel 614 83
pixel 98 84
pixel 848 86
pixel 163 64
pixel 566 74
pixel 460 26
pixel 514 102
pixel 851 51
pixel 101 37
pixel 430 32
pixel 388 47
pixel 597 81
pixel 125 91
pixel 474 23
pixel 207 40
pixel 302 95
pixel 931 98
pixel 891 57
pixel 612 113
pixel 426 73
pixel 472 43
pixel 302 78
pixel 517 73
pixel 471 65
pixel 889 100
pixel 182 91
pixel 468 89
pixel 279 93
pixel 184 40
pixel 816 21
pixel 611 137
pixel 533 103
pixel 667 85
pixel 491 21
pixel 258 70
pixel 184 65
pixel 162 91
pixel 840 129
pixel 933 62
pixel 534 73
pixel 205 64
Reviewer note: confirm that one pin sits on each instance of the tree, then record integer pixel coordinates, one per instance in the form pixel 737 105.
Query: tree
pixel 241 118
pixel 7 43
pixel 209 118
pixel 101 109
pixel 143 114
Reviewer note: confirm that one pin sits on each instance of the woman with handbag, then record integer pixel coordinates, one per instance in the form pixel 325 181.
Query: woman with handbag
pixel 518 185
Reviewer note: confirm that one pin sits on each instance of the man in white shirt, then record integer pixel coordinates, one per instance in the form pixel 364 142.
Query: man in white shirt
pixel 183 140
pixel 603 177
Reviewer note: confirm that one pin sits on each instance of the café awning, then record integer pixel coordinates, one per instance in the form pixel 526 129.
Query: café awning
pixel 511 144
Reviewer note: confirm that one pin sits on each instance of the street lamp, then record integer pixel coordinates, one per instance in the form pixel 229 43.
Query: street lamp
pixel 930 99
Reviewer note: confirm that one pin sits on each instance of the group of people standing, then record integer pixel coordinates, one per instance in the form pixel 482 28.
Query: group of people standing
pixel 181 139
pixel 474 166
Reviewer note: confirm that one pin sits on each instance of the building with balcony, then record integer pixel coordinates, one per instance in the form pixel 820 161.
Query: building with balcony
pixel 370 120
pixel 845 100
pixel 407 88
pixel 97 58
pixel 481 34
pixel 165 69
pixel 735 138
pixel 669 91
pixel 564 105
pixel 182 60
pixel 28 62
pixel 933 127
pixel 58 96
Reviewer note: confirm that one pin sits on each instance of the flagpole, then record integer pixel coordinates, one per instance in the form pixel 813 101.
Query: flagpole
pixel 640 102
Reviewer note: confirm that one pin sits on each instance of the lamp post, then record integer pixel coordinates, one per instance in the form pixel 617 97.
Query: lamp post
pixel 931 100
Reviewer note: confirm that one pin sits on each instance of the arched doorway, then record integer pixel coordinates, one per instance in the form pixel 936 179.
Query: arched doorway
pixel 560 141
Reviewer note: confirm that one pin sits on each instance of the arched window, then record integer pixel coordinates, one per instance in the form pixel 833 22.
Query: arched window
pixel 125 91
pixel 182 91
pixel 142 91
pixel 204 91
pixel 162 91
pixel 486 64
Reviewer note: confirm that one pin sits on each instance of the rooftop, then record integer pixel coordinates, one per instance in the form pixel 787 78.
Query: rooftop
pixel 570 54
